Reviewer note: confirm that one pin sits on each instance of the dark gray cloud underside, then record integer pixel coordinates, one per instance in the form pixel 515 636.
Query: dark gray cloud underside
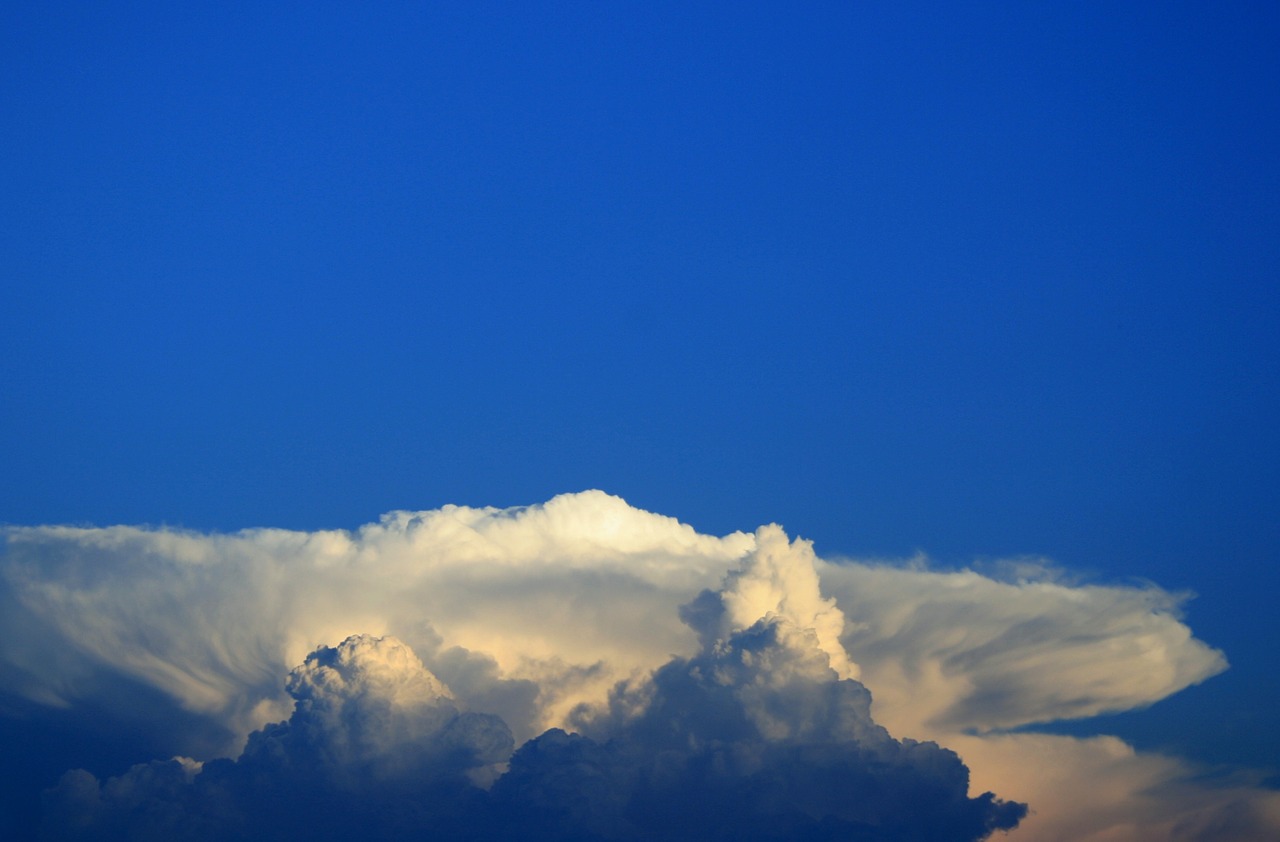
pixel 753 739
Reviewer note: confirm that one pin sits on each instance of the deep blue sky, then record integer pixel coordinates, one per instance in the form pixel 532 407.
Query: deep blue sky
pixel 976 281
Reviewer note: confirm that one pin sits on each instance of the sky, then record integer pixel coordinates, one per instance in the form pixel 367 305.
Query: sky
pixel 979 300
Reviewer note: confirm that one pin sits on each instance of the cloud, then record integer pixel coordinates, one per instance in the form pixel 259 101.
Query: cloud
pixel 960 658
pixel 582 614
pixel 213 621
pixel 779 581
pixel 757 737
pixel 369 706
pixel 996 655
pixel 1099 789
pixel 376 747
pixel 754 738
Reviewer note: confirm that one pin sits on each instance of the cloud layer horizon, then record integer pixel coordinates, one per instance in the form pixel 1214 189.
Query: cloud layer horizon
pixel 583 669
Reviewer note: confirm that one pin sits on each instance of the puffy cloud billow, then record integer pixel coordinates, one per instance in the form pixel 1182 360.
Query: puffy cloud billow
pixel 575 670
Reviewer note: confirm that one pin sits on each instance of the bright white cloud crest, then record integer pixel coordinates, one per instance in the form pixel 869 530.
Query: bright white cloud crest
pixel 536 613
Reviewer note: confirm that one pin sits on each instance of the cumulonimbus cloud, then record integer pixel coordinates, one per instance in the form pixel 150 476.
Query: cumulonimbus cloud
pixel 756 737
pixel 568 615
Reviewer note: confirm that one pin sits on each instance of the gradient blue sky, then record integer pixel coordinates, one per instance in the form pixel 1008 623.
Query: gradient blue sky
pixel 979 281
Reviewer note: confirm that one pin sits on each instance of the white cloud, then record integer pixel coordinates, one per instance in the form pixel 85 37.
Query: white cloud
pixel 780 580
pixel 1100 790
pixel 573 594
pixel 533 612
pixel 369 705
pixel 957 651
pixel 755 738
